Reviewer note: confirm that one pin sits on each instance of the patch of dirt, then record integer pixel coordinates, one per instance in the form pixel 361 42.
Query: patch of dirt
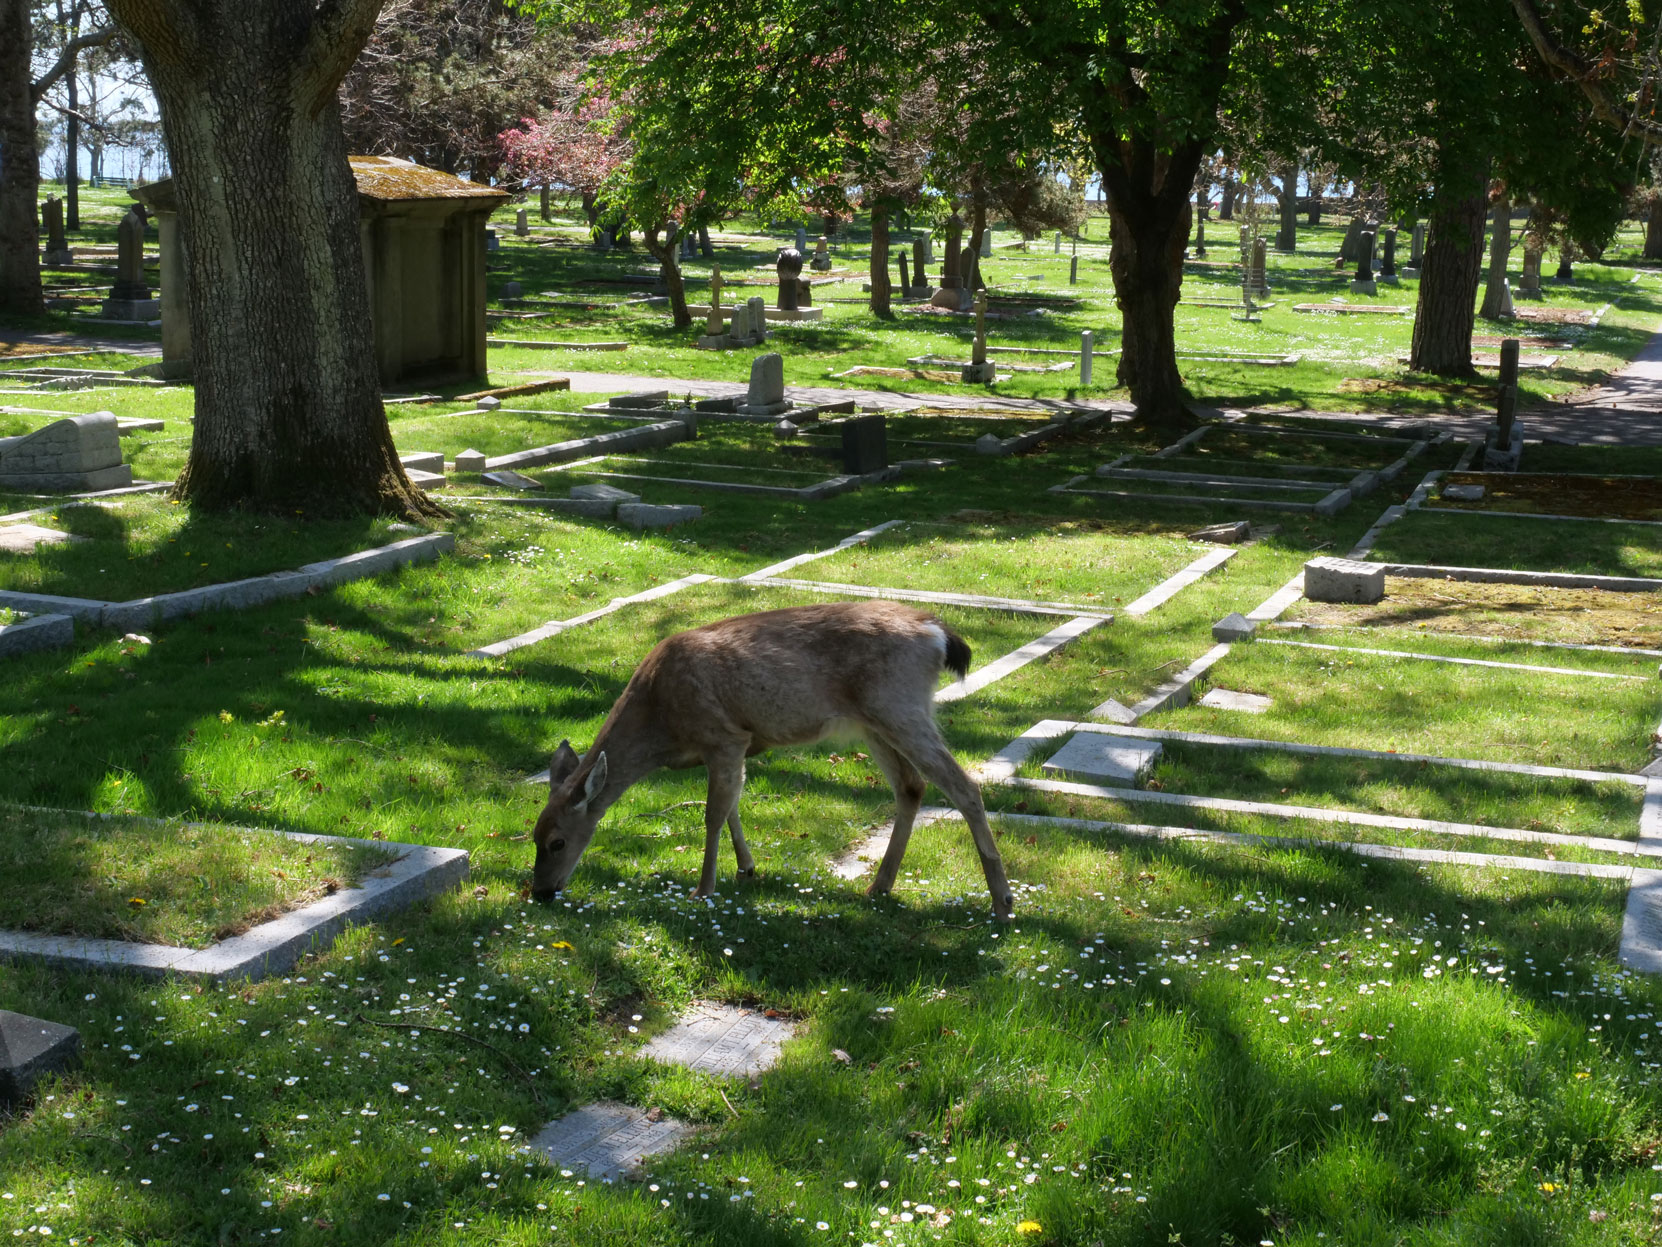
pixel 1626 498
pixel 904 374
pixel 1514 612
pixel 1459 393
pixel 1543 344
pixel 1555 315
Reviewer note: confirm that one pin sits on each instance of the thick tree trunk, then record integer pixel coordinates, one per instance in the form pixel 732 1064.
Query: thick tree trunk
pixel 1449 273
pixel 880 288
pixel 1500 249
pixel 1226 205
pixel 288 395
pixel 19 167
pixel 1653 232
pixel 667 252
pixel 72 144
pixel 544 208
pixel 1286 239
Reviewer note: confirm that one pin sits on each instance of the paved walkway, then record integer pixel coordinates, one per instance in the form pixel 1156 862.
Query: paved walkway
pixel 64 340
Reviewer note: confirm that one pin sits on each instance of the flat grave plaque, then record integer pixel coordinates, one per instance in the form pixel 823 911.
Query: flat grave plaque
pixel 723 1040
pixel 1094 758
pixel 1229 699
pixel 26 538
pixel 607 1140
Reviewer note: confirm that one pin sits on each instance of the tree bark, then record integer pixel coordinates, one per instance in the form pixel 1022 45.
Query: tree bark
pixel 1226 205
pixel 288 398
pixel 20 291
pixel 1286 239
pixel 72 135
pixel 544 207
pixel 880 288
pixel 1653 232
pixel 1449 274
pixel 667 251
pixel 1500 248
pixel 978 231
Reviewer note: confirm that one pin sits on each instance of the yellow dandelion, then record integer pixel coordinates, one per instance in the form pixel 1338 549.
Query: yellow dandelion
pixel 1547 1188
pixel 1029 1227
pixel 137 901
pixel 1582 1074
pixel 561 944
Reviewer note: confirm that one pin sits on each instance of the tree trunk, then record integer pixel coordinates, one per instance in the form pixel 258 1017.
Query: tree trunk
pixel 544 207
pixel 1449 273
pixel 1500 248
pixel 72 142
pixel 1226 205
pixel 1286 238
pixel 978 231
pixel 1653 232
pixel 288 395
pixel 668 254
pixel 19 166
pixel 880 264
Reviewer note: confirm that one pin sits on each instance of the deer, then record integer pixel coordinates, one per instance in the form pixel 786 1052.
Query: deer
pixel 721 693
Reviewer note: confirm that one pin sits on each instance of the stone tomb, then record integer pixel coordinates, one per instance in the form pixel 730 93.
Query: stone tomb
pixel 31 1049
pixel 76 455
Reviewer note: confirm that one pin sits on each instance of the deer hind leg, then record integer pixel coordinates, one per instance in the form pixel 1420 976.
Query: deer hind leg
pixel 928 752
pixel 741 850
pixel 908 788
pixel 721 805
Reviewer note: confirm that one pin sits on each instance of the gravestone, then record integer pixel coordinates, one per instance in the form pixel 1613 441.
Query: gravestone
pixel 1506 406
pixel 1352 240
pixel 1363 282
pixel 1094 758
pixel 1529 284
pixel 510 290
pixel 493 243
pixel 920 266
pixel 1505 311
pixel 979 369
pixel 722 1040
pixel 865 444
pixel 1229 699
pixel 987 242
pixel 1057 248
pixel 130 297
pixel 77 455
pixel 758 328
pixel 1258 279
pixel 1073 271
pixel 1566 270
pixel 928 241
pixel 1344 580
pixel 801 239
pixel 1416 245
pixel 1200 235
pixel 689 245
pixel 1388 265
pixel 607 1141
pixel 789 267
pixel 57 246
pixel 905 277
pixel 31 1049
pixel 712 323
pixel 822 256
pixel 1087 343
pixel 522 224
pixel 951 295
pixel 766 395
pixel 27 538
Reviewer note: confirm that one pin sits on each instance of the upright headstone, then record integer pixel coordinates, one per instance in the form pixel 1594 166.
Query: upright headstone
pixel 1363 283
pixel 1388 265
pixel 1566 270
pixel 979 369
pixel 714 334
pixel 1260 276
pixel 766 395
pixel 987 241
pixel 510 291
pixel 1057 248
pixel 1200 234
pixel 822 256
pixel 756 306
pixel 57 246
pixel 905 277
pixel 801 238
pixel 951 293
pixel 73 455
pixel 789 268
pixel 1416 245
pixel 1352 239
pixel 689 245
pixel 130 298
pixel 865 444
pixel 522 223
pixel 920 265
pixel 1506 311
pixel 929 248
pixel 1087 343
pixel 1529 285
pixel 1073 271
pixel 1507 406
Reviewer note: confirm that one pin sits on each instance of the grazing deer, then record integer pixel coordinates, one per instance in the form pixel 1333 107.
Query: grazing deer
pixel 718 694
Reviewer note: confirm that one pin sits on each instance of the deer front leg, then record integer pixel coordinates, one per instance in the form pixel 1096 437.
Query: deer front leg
pixel 721 805
pixel 935 760
pixel 908 788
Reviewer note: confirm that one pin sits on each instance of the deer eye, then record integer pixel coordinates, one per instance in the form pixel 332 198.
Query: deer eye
pixel 558 845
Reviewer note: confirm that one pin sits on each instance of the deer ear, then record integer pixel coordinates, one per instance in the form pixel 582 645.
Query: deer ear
pixel 562 765
pixel 595 782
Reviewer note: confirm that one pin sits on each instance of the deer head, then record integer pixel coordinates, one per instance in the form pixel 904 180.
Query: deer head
pixel 567 822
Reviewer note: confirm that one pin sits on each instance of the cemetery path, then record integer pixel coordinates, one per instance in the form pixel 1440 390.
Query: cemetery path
pixel 12 339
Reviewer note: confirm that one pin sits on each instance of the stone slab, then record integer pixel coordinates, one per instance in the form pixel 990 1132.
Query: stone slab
pixel 36 632
pixel 1223 534
pixel 424 480
pixel 641 515
pixel 512 480
pixel 608 493
pixel 424 460
pixel 606 1141
pixel 32 1049
pixel 1175 584
pixel 27 538
pixel 1229 699
pixel 1343 580
pixel 1234 627
pixel 721 1039
pixel 1101 759
pixel 1464 493
pixel 470 461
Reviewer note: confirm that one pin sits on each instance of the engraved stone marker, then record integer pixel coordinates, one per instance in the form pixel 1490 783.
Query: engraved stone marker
pixel 721 1039
pixel 607 1140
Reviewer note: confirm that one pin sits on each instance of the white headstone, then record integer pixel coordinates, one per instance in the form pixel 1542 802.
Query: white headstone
pixel 1086 354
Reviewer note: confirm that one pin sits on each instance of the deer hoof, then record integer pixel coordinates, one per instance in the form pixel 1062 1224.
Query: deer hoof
pixel 749 872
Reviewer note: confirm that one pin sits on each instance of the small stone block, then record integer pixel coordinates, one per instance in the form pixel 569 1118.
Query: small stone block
pixel 30 1049
pixel 489 403
pixel 607 1141
pixel 470 461
pixel 138 424
pixel 26 538
pixel 1234 627
pixel 979 374
pixel 608 493
pixel 1115 711
pixel 785 428
pixel 424 480
pixel 1343 580
pixel 989 444
pixel 424 461
pixel 1463 493
pixel 647 515
pixel 511 480
pixel 1229 699
pixel 1096 759
pixel 721 1039
pixel 1223 534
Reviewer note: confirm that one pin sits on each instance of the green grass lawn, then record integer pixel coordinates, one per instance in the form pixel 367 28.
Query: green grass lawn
pixel 1452 540
pixel 168 882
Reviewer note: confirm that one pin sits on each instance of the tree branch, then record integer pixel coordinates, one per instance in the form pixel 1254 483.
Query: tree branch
pixel 339 32
pixel 66 58
pixel 78 115
pixel 1582 72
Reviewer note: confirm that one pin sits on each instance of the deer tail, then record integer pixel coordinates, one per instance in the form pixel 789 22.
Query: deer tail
pixel 957 653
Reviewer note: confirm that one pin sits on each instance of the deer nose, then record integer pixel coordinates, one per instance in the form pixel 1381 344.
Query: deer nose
pixel 544 895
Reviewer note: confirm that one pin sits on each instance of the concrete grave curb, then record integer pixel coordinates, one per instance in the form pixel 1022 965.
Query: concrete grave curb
pixel 36 632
